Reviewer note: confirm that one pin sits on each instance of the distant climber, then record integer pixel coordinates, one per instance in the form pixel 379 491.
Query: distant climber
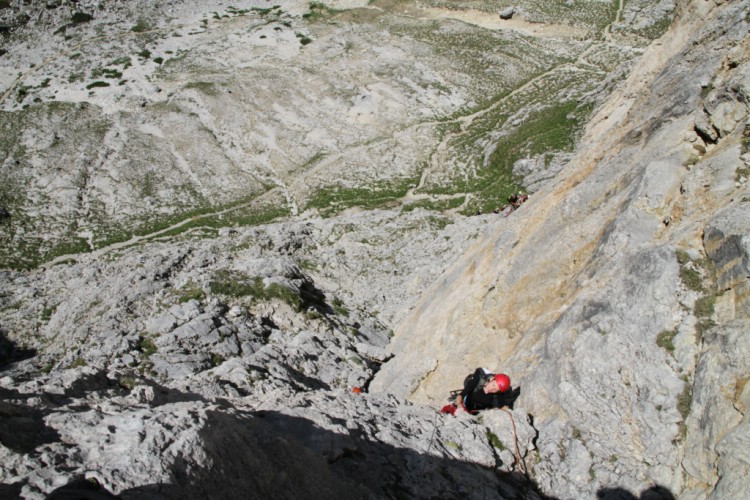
pixel 514 201
pixel 482 390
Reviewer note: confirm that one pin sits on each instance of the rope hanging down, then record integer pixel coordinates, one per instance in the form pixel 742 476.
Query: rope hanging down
pixel 522 463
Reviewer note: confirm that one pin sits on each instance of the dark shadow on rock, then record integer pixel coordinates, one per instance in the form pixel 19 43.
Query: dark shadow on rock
pixel 81 489
pixel 11 490
pixel 655 492
pixel 274 455
pixel 22 428
pixel 11 353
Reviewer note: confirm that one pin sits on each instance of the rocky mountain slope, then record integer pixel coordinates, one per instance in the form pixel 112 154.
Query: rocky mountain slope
pixel 242 257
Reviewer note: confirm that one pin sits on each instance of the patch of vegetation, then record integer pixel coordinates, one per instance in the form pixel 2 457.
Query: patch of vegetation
pixel 192 292
pixel 318 12
pixel 242 216
pixel 704 306
pixel 665 340
pixel 237 12
pixel 266 11
pixel 495 441
pixel 81 17
pixel 127 383
pixel 239 285
pixel 741 172
pixel 158 60
pixel 97 84
pixel 124 61
pixel 657 28
pixel 305 40
pixel 381 194
pixel 78 362
pixel 147 346
pixel 689 271
pixel 704 310
pixel 684 400
pixel 144 54
pixel 47 313
pixel 142 25
pixel 339 308
pixel 217 359
pixel 106 73
pixel 208 88
pixel 551 129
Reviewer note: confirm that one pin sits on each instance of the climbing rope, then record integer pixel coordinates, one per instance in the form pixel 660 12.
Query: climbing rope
pixel 522 463
pixel 434 428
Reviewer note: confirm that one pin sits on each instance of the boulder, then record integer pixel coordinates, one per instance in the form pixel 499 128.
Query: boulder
pixel 507 13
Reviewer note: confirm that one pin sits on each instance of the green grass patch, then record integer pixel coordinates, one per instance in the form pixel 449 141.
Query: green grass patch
pixel 238 285
pixel 106 73
pixel 191 292
pixel 78 362
pixel 657 28
pixel 741 172
pixel 339 308
pixel 319 12
pixel 690 271
pixel 47 313
pixel 97 84
pixel 551 129
pixel 142 25
pixel 127 383
pixel 208 88
pixel 147 346
pixel 704 306
pixel 124 61
pixel 665 340
pixel 495 441
pixel 684 400
pixel 81 17
pixel 379 195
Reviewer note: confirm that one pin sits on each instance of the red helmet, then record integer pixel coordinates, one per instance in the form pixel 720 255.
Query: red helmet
pixel 503 382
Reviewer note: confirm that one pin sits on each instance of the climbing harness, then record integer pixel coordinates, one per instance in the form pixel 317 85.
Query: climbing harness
pixel 522 463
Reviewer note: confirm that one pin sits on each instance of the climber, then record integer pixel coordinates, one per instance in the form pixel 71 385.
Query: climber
pixel 514 202
pixel 482 390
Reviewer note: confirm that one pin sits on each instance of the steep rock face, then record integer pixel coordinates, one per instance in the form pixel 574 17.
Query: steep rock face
pixel 582 298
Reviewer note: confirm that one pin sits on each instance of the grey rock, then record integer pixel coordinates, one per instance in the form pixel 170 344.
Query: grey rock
pixel 507 13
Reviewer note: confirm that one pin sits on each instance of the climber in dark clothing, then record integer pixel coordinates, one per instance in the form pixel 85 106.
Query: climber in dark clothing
pixel 482 391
